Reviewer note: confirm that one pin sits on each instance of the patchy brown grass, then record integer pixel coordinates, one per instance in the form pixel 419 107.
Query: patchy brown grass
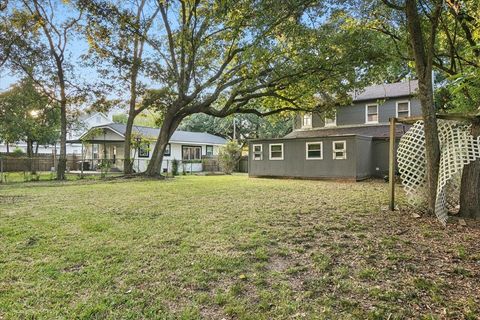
pixel 230 247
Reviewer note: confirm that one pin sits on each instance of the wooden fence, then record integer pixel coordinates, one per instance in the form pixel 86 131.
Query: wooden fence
pixel 43 162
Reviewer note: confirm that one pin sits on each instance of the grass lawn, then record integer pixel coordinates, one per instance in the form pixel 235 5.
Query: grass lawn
pixel 228 247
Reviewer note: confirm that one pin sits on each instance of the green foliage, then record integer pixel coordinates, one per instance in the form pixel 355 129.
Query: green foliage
pixel 17 152
pixel 248 126
pixel 229 155
pixel 28 115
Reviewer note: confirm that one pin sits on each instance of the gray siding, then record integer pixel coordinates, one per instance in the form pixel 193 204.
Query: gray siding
pixel 364 157
pixel 356 166
pixel 380 155
pixel 356 114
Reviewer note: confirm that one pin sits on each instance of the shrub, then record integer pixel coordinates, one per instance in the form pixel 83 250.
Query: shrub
pixel 175 167
pixel 229 155
pixel 17 152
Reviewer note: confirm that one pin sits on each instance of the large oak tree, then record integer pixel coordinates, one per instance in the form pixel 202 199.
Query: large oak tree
pixel 260 57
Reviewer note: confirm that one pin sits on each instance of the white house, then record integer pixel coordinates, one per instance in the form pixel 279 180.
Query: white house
pixel 189 148
pixel 84 123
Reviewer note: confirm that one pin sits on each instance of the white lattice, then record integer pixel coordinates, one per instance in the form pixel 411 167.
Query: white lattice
pixel 457 148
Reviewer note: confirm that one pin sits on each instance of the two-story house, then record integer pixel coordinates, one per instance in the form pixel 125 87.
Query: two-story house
pixel 352 144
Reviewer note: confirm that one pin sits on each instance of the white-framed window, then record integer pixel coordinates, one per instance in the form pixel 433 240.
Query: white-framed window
pixel 371 113
pixel 331 121
pixel 307 120
pixel 276 151
pixel 191 152
pixel 339 150
pixel 257 152
pixel 314 150
pixel 403 109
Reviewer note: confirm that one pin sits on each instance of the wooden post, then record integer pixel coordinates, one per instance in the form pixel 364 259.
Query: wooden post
pixel 391 163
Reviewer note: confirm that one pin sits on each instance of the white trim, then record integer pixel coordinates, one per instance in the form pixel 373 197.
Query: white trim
pixel 321 150
pixel 402 101
pixel 105 126
pixel 310 115
pixel 344 150
pixel 366 112
pixel 334 124
pixel 270 151
pixel 261 152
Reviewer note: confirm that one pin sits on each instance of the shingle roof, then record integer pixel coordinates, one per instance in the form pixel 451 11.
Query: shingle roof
pixel 375 131
pixel 389 90
pixel 178 136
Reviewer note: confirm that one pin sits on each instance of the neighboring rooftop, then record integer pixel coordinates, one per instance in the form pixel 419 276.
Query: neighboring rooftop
pixel 178 136
pixel 375 131
pixel 387 90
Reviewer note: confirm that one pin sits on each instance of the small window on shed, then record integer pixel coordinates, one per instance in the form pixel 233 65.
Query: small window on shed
pixel 314 150
pixel 276 151
pixel 403 109
pixel 339 150
pixel 257 152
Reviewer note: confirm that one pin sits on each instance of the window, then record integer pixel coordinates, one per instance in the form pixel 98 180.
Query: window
pixel 144 150
pixel 314 150
pixel 339 150
pixel 331 121
pixel 403 109
pixel 95 151
pixel 276 151
pixel 209 151
pixel 257 152
pixel 371 113
pixel 191 153
pixel 167 151
pixel 307 120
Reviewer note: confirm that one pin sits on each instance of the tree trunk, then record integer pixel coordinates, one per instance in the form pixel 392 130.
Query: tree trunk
pixel 128 162
pixel 470 187
pixel 423 55
pixel 62 160
pixel 8 148
pixel 169 125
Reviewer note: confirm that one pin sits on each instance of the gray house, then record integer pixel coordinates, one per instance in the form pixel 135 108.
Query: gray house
pixel 352 144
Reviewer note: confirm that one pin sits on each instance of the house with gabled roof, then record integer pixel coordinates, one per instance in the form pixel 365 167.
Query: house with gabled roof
pixel 106 142
pixel 352 143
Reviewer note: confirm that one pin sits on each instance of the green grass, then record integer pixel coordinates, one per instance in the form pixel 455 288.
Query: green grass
pixel 227 247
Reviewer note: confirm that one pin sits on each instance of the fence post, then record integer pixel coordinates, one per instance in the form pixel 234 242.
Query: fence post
pixel 391 166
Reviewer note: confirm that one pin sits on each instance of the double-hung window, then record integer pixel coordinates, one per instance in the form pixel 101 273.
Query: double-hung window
pixel 257 152
pixel 339 150
pixel 371 113
pixel 276 151
pixel 314 150
pixel 307 120
pixel 403 109
pixel 209 151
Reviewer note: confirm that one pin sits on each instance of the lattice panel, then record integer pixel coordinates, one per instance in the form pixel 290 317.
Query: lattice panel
pixel 457 148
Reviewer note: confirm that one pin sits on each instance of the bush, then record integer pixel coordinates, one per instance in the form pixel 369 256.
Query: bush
pixel 17 152
pixel 228 156
pixel 175 167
